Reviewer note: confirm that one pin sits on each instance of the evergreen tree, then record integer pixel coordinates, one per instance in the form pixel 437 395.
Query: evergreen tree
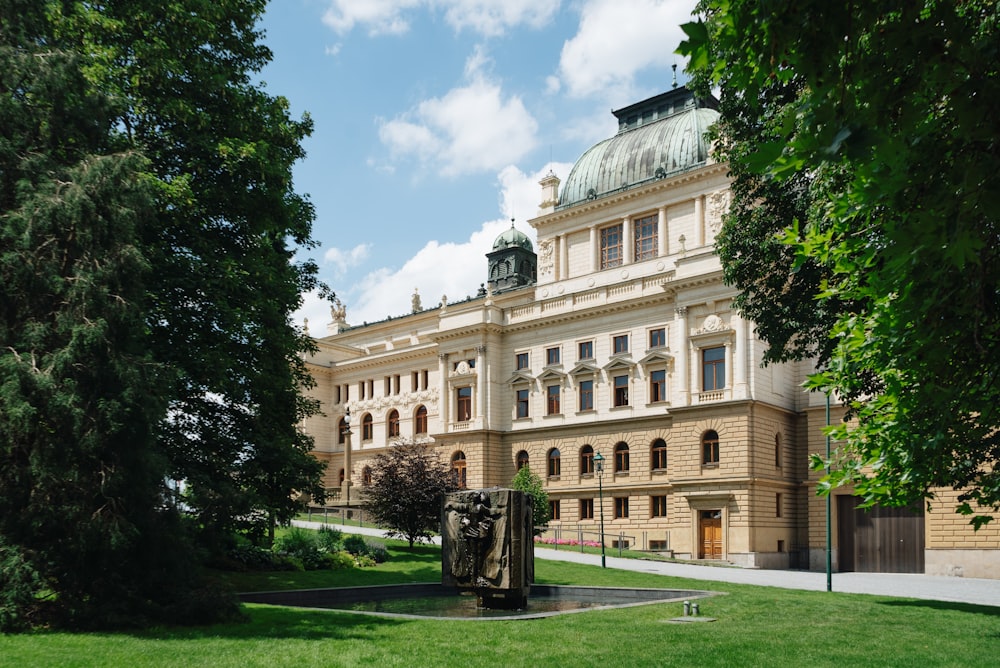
pixel 530 483
pixel 147 232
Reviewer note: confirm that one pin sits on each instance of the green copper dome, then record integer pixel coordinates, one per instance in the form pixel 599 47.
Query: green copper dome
pixel 512 237
pixel 658 137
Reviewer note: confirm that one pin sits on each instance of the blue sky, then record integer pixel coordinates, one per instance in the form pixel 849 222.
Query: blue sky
pixel 435 120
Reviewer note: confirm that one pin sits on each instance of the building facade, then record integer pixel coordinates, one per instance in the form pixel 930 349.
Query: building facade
pixel 617 337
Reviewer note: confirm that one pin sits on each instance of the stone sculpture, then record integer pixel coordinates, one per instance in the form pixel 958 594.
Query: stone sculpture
pixel 487 545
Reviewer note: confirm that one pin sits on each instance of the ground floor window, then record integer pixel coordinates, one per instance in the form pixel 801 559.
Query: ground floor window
pixel 586 509
pixel 621 507
pixel 658 506
pixel 554 511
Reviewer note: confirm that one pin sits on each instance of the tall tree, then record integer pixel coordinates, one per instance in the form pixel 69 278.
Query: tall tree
pixel 147 232
pixel 866 129
pixel 221 151
pixel 407 488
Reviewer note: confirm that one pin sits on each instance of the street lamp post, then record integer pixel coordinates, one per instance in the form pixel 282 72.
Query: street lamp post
pixel 346 491
pixel 599 467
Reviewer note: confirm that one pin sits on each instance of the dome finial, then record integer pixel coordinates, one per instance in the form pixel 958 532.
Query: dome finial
pixel 675 75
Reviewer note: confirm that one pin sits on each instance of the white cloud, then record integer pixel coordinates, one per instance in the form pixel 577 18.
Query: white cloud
pixel 494 17
pixel 472 128
pixel 342 260
pixel 387 292
pixel 617 39
pixel 487 17
pixel 379 16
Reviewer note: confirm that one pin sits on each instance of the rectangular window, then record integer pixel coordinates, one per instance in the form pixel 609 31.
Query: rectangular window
pixel 423 379
pixel 713 374
pixel 522 403
pixel 586 509
pixel 361 390
pixel 586 395
pixel 611 246
pixel 621 391
pixel 645 234
pixel 395 384
pixel 777 505
pixel 657 338
pixel 387 386
pixel 414 381
pixel 521 361
pixel 619 344
pixel 552 355
pixel 586 349
pixel 657 386
pixel 371 388
pixel 463 404
pixel 554 510
pixel 339 399
pixel 552 394
pixel 658 506
pixel 621 507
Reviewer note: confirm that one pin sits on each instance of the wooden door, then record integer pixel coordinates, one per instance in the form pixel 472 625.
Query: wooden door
pixel 710 530
pixel 880 540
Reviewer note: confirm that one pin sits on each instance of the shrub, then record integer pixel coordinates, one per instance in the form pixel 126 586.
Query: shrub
pixel 355 544
pixel 339 560
pixel 330 539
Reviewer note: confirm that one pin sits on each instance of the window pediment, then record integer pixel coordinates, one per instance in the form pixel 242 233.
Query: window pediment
pixel 551 374
pixel 520 378
pixel 619 364
pixel 584 369
pixel 657 357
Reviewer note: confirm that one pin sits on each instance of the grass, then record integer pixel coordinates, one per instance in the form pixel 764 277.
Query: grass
pixel 757 626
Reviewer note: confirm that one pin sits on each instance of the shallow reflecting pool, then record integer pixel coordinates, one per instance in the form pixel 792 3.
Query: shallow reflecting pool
pixel 437 601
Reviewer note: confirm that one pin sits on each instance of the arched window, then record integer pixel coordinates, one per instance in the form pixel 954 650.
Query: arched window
pixel 420 420
pixel 554 462
pixel 658 455
pixel 586 460
pixel 522 459
pixel 458 469
pixel 367 427
pixel 710 448
pixel 393 423
pixel 621 457
pixel 366 476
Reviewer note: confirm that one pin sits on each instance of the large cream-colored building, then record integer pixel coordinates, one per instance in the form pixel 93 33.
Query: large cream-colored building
pixel 617 336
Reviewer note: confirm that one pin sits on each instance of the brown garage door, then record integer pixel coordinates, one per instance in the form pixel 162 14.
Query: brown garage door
pixel 879 540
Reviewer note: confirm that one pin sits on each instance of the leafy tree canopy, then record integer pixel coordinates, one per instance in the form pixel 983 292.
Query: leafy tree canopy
pixel 864 232
pixel 147 231
pixel 406 490
pixel 530 483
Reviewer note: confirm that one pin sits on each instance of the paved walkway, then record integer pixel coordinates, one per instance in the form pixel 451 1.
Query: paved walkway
pixel 905 585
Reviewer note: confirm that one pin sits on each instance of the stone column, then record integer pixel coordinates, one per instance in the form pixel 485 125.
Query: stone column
pixel 683 353
pixel 699 220
pixel 563 257
pixel 481 384
pixel 628 242
pixel 740 358
pixel 595 250
pixel 661 232
pixel 444 403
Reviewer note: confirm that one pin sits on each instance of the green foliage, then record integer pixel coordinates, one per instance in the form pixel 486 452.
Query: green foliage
pixel 866 131
pixel 407 489
pixel 330 539
pixel 147 232
pixel 362 548
pixel 529 482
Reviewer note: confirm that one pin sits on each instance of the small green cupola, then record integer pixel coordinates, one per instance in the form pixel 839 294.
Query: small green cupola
pixel 512 262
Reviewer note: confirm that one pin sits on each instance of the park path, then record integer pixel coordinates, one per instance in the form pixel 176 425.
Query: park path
pixel 905 585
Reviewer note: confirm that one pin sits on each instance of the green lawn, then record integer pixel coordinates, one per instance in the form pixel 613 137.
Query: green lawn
pixel 757 626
